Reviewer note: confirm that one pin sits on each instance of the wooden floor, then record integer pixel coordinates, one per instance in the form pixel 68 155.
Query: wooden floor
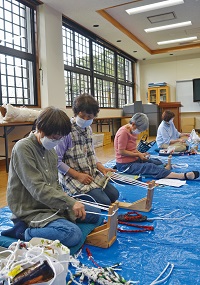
pixel 104 154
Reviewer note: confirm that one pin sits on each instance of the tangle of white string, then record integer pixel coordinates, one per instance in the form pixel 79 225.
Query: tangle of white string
pixel 101 275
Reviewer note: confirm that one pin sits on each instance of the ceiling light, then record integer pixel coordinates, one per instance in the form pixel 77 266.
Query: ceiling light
pixel 168 27
pixel 154 6
pixel 177 41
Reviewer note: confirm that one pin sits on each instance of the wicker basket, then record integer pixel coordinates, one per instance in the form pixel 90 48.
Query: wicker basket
pixel 143 145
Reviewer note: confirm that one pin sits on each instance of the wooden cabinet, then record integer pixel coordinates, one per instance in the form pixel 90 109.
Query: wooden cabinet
pixel 173 107
pixel 158 94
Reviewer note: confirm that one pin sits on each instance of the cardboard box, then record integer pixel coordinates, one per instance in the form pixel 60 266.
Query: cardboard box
pixel 139 136
pixel 106 137
pixel 125 121
pixel 187 121
pixel 98 139
pixel 187 128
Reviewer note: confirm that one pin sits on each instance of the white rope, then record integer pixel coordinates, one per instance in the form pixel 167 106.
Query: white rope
pixel 172 219
pixel 90 202
pixel 95 205
pixel 165 217
pixel 157 281
pixel 124 170
pixel 180 165
pixel 102 214
pixel 46 218
pixel 104 207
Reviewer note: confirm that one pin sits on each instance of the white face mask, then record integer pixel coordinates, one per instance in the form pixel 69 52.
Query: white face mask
pixel 135 132
pixel 83 123
pixel 49 143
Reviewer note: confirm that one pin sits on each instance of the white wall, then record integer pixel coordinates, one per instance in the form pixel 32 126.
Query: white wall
pixel 52 83
pixel 170 70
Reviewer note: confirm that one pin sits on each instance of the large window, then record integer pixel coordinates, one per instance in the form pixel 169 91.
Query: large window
pixel 17 53
pixel 92 66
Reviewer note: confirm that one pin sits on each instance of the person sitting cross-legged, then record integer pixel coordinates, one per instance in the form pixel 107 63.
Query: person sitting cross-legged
pixel 168 135
pixel 38 204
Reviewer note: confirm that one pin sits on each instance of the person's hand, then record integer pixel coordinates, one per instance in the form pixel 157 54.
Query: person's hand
pixel 185 135
pixel 147 155
pixel 84 178
pixel 79 210
pixel 106 170
pixel 103 169
pixel 142 155
pixel 182 140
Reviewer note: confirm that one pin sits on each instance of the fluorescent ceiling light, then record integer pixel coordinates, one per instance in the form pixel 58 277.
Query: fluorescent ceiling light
pixel 154 6
pixel 168 27
pixel 177 41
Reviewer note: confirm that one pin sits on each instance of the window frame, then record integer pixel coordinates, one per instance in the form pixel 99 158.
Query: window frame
pixel 29 59
pixel 98 76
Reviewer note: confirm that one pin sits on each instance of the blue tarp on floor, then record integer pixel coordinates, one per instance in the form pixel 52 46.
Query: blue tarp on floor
pixel 145 255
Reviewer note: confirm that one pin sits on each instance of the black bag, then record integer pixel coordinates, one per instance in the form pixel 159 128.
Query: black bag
pixel 143 145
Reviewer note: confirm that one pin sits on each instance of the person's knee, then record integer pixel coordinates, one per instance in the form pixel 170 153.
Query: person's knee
pixel 115 196
pixel 90 217
pixel 100 196
pixel 71 237
pixel 69 234
pixel 111 192
pixel 93 218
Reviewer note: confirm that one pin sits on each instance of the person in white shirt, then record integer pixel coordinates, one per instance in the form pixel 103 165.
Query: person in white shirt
pixel 168 135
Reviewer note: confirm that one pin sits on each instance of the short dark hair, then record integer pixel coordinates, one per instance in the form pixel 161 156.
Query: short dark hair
pixel 53 121
pixel 85 103
pixel 167 115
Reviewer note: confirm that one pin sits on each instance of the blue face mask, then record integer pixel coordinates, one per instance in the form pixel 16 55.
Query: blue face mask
pixel 49 143
pixel 83 123
pixel 135 132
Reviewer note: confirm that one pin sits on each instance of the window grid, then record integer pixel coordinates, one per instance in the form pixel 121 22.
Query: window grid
pixel 109 63
pixel 68 46
pixel 129 97
pixel 98 58
pixel 121 67
pixel 75 84
pixel 128 70
pixel 13 27
pixel 105 93
pixel 125 95
pixel 103 60
pixel 15 82
pixel 17 57
pixel 82 53
pixel 121 95
pixel 106 68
